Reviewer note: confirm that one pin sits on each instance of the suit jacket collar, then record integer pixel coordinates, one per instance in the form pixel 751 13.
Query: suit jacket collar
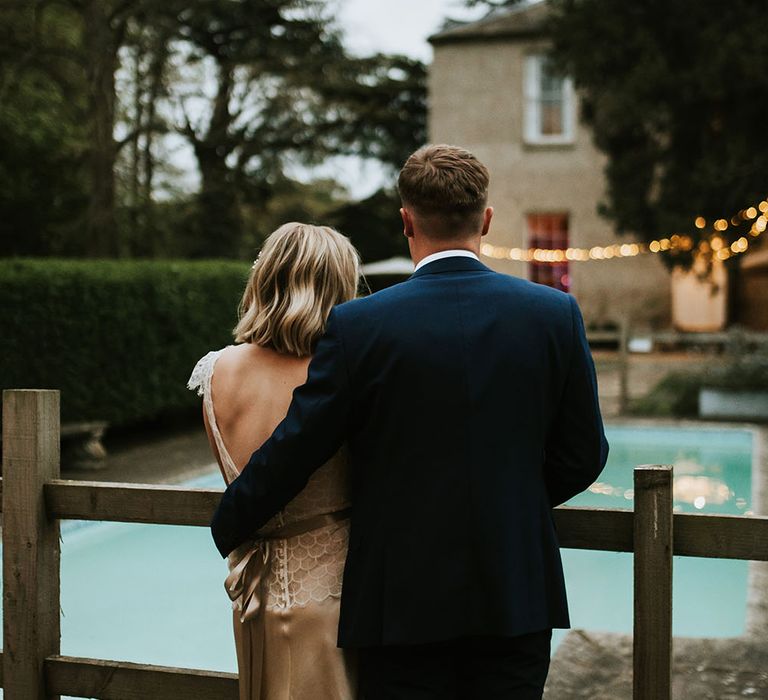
pixel 453 264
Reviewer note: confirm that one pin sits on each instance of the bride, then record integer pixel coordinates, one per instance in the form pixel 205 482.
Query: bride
pixel 286 584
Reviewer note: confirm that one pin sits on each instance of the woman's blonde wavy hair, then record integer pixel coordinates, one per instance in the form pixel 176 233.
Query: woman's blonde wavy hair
pixel 301 273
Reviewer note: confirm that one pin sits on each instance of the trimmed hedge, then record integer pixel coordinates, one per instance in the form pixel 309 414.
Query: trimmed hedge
pixel 118 338
pixel 676 395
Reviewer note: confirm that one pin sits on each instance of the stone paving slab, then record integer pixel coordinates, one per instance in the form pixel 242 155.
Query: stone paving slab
pixel 598 666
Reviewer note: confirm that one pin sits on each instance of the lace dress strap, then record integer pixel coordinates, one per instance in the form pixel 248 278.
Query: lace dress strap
pixel 200 381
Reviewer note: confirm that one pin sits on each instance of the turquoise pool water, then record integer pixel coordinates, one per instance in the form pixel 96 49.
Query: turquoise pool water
pixel 713 470
pixel 154 594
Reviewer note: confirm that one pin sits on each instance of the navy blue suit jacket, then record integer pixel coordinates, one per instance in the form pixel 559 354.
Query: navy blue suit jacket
pixel 468 402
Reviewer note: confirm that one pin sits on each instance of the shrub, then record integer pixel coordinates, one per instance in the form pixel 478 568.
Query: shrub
pixel 746 372
pixel 118 338
pixel 676 395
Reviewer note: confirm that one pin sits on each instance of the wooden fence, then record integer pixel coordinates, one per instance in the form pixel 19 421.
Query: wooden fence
pixel 34 500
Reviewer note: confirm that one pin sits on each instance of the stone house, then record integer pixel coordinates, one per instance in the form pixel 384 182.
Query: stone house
pixel 492 90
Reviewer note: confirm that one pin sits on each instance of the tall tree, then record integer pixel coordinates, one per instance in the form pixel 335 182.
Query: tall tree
pixel 106 29
pixel 251 52
pixel 672 90
pixel 258 87
pixel 376 107
pixel 142 90
pixel 73 47
pixel 42 139
pixel 285 94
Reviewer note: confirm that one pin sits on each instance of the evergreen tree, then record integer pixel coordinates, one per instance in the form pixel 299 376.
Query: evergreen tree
pixel 89 89
pixel 286 93
pixel 673 92
pixel 42 139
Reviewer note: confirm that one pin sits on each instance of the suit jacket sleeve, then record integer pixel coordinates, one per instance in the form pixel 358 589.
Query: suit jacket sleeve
pixel 311 433
pixel 576 448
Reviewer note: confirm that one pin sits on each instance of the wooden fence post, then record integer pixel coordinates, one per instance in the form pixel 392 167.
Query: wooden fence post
pixel 30 541
pixel 652 642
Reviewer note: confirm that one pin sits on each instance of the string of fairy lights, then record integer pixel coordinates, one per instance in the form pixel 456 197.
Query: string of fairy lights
pixel 716 245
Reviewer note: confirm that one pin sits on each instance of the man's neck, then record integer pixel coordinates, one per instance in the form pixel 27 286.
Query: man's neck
pixel 421 249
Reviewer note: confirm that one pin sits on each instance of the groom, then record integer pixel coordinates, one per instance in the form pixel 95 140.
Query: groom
pixel 468 402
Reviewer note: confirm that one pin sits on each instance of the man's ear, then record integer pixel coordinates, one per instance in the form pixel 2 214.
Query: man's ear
pixel 487 216
pixel 405 215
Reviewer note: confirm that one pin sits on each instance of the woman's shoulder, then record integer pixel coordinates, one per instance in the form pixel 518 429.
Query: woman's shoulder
pixel 203 370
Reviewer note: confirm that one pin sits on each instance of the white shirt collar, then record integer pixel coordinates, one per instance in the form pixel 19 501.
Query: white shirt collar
pixel 446 254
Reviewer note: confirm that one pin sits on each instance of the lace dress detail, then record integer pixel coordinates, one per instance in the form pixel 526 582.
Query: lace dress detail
pixel 309 567
pixel 200 381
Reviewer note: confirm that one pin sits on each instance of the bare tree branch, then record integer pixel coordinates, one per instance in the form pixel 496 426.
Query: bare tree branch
pixel 186 127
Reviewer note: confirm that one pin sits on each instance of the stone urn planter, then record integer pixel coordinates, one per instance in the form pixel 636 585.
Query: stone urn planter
pixel 742 404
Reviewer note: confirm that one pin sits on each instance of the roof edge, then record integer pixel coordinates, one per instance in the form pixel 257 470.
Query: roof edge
pixel 438 39
pixel 525 21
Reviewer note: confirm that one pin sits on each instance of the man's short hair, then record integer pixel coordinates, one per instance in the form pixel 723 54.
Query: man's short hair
pixel 446 185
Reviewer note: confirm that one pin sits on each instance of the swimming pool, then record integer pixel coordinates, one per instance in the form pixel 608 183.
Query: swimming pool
pixel 154 594
pixel 713 474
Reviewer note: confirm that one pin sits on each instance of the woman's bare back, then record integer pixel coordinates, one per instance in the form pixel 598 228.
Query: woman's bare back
pixel 251 391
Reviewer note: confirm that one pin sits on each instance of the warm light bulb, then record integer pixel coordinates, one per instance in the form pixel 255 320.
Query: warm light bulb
pixel 723 254
pixel 700 222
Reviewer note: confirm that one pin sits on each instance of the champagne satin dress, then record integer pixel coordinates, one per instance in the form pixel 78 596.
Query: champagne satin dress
pixel 286 586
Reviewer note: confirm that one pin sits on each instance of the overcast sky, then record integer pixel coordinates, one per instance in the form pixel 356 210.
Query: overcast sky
pixel 396 26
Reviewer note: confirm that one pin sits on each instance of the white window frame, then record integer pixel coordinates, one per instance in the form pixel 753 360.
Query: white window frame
pixel 532 100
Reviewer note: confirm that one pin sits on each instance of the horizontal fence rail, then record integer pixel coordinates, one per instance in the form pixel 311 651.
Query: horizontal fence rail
pixel 696 535
pixel 608 529
pixel 93 678
pixel 35 499
pixel 130 503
